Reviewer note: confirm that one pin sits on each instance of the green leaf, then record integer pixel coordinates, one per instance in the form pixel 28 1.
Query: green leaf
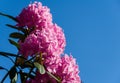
pixel 22 29
pixel 2 68
pixel 11 26
pixel 22 77
pixel 14 79
pixel 14 43
pixel 8 54
pixel 26 65
pixel 11 17
pixel 13 74
pixel 39 67
pixel 17 35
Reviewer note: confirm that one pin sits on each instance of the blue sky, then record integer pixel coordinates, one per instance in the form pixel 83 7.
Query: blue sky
pixel 92 29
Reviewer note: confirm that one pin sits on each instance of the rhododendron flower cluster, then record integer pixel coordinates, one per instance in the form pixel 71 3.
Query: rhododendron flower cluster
pixel 35 15
pixel 69 70
pixel 48 39
pixel 66 70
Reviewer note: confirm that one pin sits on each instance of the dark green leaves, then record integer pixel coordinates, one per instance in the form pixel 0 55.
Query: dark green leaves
pixel 2 68
pixel 13 74
pixel 22 29
pixel 11 26
pixel 22 77
pixel 14 43
pixel 21 35
pixel 14 79
pixel 40 67
pixel 11 17
pixel 17 35
pixel 27 65
pixel 8 54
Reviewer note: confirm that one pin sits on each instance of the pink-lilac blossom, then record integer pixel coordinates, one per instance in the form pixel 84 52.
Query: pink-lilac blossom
pixel 49 40
pixel 69 71
pixel 52 63
pixel 64 68
pixel 35 15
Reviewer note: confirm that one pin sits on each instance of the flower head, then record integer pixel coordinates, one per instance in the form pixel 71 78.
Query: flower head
pixel 64 68
pixel 52 64
pixel 69 71
pixel 35 15
pixel 49 40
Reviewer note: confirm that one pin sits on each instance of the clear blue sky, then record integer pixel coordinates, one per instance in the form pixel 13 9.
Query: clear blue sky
pixel 92 29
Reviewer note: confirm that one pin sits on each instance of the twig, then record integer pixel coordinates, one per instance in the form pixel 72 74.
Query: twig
pixel 5 77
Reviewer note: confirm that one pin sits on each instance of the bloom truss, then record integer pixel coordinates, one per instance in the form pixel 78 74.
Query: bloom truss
pixel 47 39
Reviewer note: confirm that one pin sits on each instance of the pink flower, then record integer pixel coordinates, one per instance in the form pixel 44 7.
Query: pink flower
pixel 49 40
pixel 52 64
pixel 64 68
pixel 30 46
pixel 69 71
pixel 46 38
pixel 35 15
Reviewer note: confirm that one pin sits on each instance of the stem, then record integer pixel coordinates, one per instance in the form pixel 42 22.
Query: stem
pixel 53 77
pixel 11 59
pixel 30 59
pixel 28 75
